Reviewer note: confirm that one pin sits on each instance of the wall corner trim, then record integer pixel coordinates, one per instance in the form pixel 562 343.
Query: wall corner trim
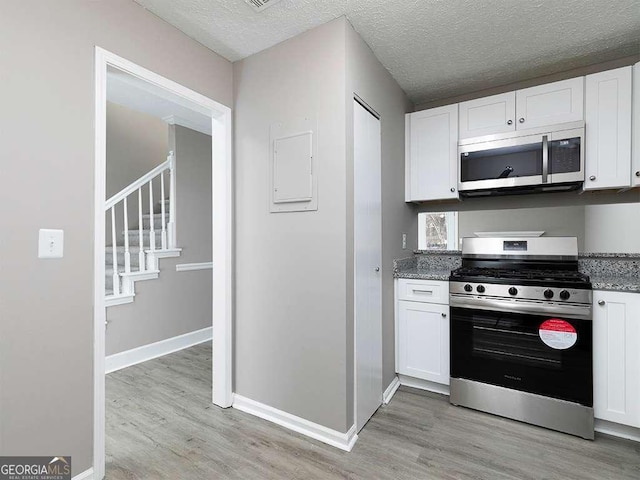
pixel 343 441
pixel 120 360
pixel 86 475
pixel 391 390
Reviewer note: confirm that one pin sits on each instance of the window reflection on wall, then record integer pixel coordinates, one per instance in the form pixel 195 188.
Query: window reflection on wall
pixel 437 231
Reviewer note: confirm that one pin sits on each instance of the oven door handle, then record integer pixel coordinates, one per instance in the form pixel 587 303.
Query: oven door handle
pixel 581 312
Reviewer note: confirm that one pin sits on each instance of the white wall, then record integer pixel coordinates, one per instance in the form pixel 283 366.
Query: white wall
pixel 291 268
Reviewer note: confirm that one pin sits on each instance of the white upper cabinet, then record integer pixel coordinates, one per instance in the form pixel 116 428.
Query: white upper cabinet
pixel 550 104
pixel 616 357
pixel 488 115
pixel 635 170
pixel 608 129
pixel 534 107
pixel 431 165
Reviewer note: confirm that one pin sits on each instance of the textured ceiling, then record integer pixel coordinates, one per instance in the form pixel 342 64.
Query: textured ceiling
pixel 433 48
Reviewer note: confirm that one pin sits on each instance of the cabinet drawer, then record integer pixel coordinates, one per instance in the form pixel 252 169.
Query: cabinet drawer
pixel 429 291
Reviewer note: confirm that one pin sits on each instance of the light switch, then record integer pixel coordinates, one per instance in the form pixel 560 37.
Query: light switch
pixel 50 243
pixel 404 241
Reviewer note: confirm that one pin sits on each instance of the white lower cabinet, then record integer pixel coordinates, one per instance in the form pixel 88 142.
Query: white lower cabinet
pixel 616 357
pixel 423 341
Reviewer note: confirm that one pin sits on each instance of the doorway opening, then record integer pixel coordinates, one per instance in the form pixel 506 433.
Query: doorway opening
pixel 152 246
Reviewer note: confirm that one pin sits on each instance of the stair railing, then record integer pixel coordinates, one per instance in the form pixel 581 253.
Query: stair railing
pixel 168 236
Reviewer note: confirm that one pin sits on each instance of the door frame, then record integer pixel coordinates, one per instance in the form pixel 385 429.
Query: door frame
pixel 222 235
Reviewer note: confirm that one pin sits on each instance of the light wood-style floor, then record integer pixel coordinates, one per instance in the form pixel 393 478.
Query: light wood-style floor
pixel 162 425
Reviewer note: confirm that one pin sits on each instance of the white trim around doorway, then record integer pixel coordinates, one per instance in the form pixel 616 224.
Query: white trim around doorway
pixel 222 395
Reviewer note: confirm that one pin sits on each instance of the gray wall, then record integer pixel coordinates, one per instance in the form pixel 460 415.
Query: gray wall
pixel 612 228
pixel 367 78
pixel 176 302
pixel 291 268
pixel 554 221
pixel 136 143
pixel 47 98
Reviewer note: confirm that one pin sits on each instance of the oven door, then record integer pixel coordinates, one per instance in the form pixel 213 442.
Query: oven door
pixel 536 353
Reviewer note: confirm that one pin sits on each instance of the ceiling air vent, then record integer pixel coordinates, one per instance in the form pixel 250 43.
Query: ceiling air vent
pixel 260 5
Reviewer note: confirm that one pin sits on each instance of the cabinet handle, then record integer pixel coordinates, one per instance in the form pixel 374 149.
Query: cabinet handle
pixel 600 302
pixel 592 178
pixel 509 122
pixel 444 314
pixel 453 189
pixel 377 269
pixel 521 120
pixel 638 173
pixel 417 290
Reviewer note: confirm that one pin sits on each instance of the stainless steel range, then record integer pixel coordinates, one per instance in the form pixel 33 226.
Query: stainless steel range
pixel 521 332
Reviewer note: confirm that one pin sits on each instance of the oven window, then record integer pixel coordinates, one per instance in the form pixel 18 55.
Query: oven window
pixel 508 340
pixel 518 161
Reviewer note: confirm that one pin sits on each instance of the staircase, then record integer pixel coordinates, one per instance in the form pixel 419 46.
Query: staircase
pixel 135 253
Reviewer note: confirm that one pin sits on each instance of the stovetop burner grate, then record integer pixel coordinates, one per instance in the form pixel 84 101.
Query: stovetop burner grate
pixel 539 275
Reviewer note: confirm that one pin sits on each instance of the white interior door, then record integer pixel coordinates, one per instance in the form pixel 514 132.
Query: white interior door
pixel 368 258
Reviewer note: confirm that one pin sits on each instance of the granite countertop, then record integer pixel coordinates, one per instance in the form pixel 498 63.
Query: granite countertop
pixel 620 284
pixel 422 274
pixel 608 271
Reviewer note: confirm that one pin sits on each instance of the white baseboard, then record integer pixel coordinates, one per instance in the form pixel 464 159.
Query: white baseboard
pixel 134 356
pixel 390 391
pixel 617 430
pixel 188 267
pixel 343 441
pixel 86 475
pixel 423 384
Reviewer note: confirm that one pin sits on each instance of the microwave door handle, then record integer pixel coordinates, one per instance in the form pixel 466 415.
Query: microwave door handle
pixel 545 158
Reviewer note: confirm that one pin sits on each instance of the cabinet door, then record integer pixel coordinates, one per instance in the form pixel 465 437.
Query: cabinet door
pixel 550 104
pixel 616 357
pixel 423 341
pixel 635 170
pixel 488 115
pixel 608 129
pixel 432 154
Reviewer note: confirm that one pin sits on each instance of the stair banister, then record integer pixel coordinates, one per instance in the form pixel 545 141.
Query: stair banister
pixel 127 256
pixel 123 287
pixel 163 237
pixel 129 189
pixel 114 252
pixel 152 232
pixel 141 262
pixel 171 226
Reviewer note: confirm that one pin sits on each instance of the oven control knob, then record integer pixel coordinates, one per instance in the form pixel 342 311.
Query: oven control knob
pixel 480 288
pixel 468 288
pixel 564 295
pixel 548 293
pixel 513 291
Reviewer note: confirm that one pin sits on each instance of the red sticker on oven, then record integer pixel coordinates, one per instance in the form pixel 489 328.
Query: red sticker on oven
pixel 558 334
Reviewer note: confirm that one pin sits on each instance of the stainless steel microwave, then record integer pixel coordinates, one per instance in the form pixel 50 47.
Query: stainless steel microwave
pixel 550 159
